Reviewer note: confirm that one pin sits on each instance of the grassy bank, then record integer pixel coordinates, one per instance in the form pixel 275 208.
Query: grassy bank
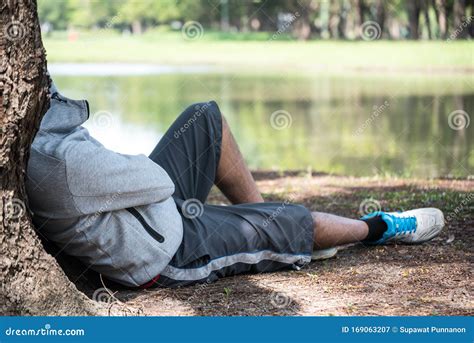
pixel 264 52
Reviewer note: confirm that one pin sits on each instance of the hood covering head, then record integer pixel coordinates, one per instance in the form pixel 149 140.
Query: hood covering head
pixel 64 114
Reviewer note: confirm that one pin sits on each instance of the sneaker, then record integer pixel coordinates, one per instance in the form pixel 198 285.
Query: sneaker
pixel 323 254
pixel 410 227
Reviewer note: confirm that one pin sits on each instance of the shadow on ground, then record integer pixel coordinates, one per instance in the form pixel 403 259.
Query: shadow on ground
pixel 429 279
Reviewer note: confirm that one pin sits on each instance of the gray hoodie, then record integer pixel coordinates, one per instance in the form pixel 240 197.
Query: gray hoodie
pixel 112 211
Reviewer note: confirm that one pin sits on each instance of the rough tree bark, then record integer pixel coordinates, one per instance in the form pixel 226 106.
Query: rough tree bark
pixel 32 283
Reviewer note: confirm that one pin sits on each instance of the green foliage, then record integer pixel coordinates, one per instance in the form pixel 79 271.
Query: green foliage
pixel 94 13
pixel 304 19
pixel 227 291
pixel 57 13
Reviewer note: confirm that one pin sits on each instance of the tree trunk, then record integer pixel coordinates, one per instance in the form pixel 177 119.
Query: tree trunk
pixel 32 283
pixel 380 12
pixel 426 14
pixel 334 19
pixel 440 8
pixel 342 25
pixel 360 9
pixel 359 16
pixel 470 4
pixel 302 26
pixel 459 18
pixel 137 27
pixel 414 18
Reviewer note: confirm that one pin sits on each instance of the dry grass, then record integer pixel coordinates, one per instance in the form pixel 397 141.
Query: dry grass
pixel 429 279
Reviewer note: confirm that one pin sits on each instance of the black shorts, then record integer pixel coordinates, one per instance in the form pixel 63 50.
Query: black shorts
pixel 221 241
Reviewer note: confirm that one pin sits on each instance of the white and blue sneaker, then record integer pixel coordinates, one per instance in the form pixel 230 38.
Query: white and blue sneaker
pixel 410 227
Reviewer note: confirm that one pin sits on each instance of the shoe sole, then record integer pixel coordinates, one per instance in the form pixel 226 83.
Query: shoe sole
pixel 323 254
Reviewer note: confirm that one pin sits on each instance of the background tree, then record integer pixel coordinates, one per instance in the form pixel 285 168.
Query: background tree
pixel 414 10
pixel 459 17
pixel 332 19
pixel 442 17
pixel 426 15
pixel 56 13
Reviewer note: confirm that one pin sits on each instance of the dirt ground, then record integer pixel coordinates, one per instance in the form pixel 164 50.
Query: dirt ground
pixel 430 279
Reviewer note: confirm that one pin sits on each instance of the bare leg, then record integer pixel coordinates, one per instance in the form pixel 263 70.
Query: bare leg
pixel 331 230
pixel 233 176
pixel 236 182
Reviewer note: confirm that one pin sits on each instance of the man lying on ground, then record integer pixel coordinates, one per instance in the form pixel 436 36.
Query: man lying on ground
pixel 144 221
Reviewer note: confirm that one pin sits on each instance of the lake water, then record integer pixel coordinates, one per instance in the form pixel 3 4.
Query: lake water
pixel 345 124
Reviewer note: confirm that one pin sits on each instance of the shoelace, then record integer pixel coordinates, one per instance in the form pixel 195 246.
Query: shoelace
pixel 404 225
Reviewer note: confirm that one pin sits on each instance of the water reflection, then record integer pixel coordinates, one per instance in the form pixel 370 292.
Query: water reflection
pixel 340 124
